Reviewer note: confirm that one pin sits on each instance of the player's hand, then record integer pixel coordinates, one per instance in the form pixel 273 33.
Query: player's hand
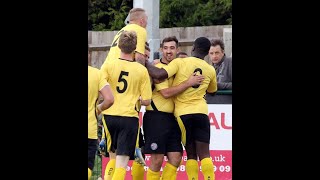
pixel 98 110
pixel 195 79
pixel 102 147
pixel 156 61
pixel 138 157
pixel 140 58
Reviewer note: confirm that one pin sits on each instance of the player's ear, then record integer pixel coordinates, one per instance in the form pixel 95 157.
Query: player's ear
pixel 192 48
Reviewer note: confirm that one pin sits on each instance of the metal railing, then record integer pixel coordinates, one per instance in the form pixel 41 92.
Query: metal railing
pixel 221 97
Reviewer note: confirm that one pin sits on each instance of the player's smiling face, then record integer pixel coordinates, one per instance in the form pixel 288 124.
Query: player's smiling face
pixel 169 50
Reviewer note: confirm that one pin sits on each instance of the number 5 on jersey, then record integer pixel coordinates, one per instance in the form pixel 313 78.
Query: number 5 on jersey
pixel 122 79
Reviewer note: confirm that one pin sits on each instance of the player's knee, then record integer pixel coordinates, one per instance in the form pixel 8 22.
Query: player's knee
pixel 156 160
pixel 157 163
pixel 175 163
pixel 175 159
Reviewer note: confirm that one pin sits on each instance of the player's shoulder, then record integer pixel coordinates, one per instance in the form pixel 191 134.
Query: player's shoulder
pixel 135 27
pixel 178 60
pixel 208 66
pixel 140 66
pixel 160 65
pixel 93 73
pixel 92 69
pixel 137 69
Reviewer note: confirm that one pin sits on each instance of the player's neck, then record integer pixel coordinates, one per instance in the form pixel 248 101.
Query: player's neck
pixel 135 22
pixel 127 57
pixel 164 61
pixel 198 55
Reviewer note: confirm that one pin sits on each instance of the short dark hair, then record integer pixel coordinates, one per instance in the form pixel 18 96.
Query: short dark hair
pixel 170 38
pixel 182 53
pixel 202 45
pixel 215 42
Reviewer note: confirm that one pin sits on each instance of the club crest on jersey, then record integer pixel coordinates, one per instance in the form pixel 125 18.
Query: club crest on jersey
pixel 154 146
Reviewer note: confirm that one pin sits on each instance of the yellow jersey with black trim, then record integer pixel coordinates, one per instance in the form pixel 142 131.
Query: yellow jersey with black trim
pixel 192 100
pixel 95 83
pixel 128 81
pixel 115 51
pixel 159 103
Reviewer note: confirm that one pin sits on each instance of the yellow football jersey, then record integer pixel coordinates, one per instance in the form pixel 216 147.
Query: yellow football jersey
pixel 128 81
pixel 115 51
pixel 158 102
pixel 192 100
pixel 95 83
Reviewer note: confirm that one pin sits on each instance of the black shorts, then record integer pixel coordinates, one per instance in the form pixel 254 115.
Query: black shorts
pixel 161 132
pixel 140 144
pixel 122 134
pixel 92 150
pixel 194 127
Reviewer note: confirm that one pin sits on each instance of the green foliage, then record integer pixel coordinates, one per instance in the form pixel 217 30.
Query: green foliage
pixel 107 15
pixel 188 13
pixel 118 15
pixel 110 15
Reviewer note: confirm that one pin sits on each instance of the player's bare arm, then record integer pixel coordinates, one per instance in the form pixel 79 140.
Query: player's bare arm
pixel 108 99
pixel 155 72
pixel 175 90
pixel 140 58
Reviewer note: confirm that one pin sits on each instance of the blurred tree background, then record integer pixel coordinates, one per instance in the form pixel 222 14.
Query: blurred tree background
pixel 106 15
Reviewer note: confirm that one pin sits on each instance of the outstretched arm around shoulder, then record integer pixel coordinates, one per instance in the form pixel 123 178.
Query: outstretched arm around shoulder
pixel 155 72
pixel 175 90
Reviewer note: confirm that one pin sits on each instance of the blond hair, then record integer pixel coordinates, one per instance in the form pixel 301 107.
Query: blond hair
pixel 128 41
pixel 136 13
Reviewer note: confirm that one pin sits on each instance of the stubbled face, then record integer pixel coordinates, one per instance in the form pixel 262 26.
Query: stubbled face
pixel 169 50
pixel 216 54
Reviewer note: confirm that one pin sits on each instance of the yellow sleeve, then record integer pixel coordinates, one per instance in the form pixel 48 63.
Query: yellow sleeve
pixel 162 85
pixel 173 67
pixel 104 71
pixel 141 40
pixel 213 87
pixel 145 88
pixel 103 66
pixel 102 81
